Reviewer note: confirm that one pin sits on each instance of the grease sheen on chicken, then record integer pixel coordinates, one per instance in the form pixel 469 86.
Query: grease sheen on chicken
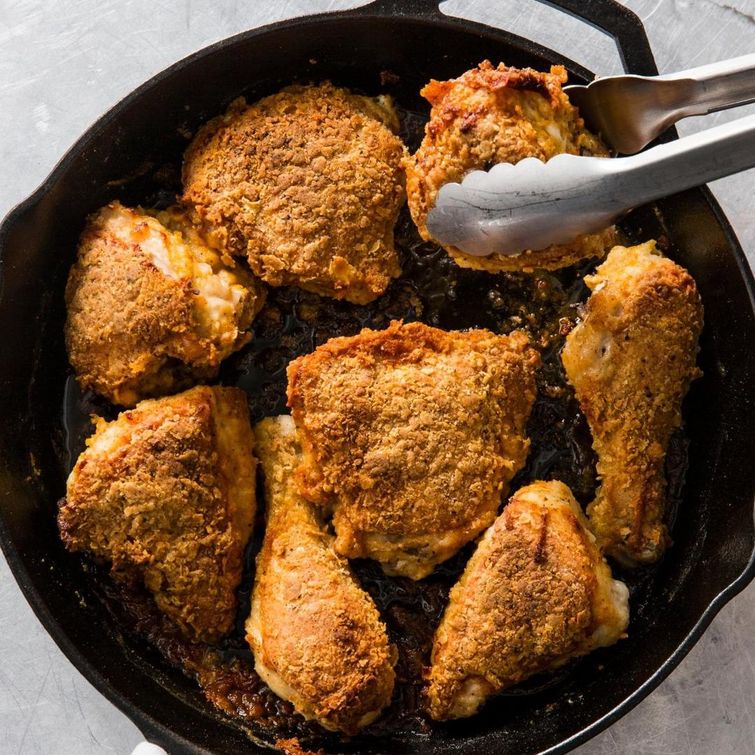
pixel 317 637
pixel 534 594
pixel 307 184
pixel 631 361
pixel 151 307
pixel 412 434
pixel 499 115
pixel 166 494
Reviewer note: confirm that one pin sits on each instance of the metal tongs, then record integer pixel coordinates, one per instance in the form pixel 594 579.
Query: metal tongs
pixel 532 204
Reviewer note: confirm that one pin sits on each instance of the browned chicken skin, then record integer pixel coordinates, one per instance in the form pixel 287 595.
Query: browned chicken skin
pixel 166 494
pixel 631 361
pixel 317 637
pixel 307 183
pixel 499 115
pixel 412 435
pixel 534 594
pixel 151 308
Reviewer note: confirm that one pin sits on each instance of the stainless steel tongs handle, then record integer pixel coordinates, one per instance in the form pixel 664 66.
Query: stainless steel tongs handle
pixel 690 161
pixel 716 86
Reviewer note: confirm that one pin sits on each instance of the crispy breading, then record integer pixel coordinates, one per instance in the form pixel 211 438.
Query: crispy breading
pixel 631 361
pixel 412 435
pixel 166 494
pixel 499 115
pixel 317 637
pixel 534 594
pixel 150 307
pixel 307 183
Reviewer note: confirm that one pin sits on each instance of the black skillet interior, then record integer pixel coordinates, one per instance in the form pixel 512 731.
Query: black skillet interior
pixel 132 153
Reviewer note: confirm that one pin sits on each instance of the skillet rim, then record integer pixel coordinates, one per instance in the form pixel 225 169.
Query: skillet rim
pixel 426 11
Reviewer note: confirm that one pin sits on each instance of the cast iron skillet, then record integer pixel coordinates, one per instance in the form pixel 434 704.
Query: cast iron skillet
pixel 712 558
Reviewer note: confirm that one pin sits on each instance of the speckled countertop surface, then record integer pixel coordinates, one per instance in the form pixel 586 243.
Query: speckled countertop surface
pixel 65 62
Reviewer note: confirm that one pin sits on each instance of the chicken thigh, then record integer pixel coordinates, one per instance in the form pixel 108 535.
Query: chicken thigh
pixel 151 307
pixel 411 434
pixel 534 594
pixel 307 184
pixel 166 494
pixel 631 361
pixel 317 637
pixel 499 115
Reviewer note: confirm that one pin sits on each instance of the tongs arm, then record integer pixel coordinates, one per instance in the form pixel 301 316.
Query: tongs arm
pixel 532 204
pixel 717 86
pixel 630 111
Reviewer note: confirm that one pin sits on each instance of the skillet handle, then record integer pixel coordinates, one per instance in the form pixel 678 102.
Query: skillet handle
pixel 607 15
pixel 618 22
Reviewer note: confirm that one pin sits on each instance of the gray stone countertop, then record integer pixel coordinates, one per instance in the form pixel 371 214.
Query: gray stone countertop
pixel 65 62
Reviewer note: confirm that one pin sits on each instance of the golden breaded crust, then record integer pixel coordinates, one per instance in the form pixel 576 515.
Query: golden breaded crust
pixel 307 183
pixel 317 637
pixel 166 494
pixel 149 311
pixel 499 115
pixel 412 434
pixel 631 361
pixel 535 593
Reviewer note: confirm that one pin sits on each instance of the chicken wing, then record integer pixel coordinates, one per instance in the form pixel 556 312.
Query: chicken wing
pixel 631 361
pixel 151 307
pixel 317 637
pixel 499 115
pixel 166 494
pixel 307 183
pixel 534 594
pixel 412 435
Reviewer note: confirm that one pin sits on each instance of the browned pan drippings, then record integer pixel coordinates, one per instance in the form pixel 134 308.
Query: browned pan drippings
pixel 434 290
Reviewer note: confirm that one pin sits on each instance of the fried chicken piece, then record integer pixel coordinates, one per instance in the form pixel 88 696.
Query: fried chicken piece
pixel 499 115
pixel 307 183
pixel 151 307
pixel 534 594
pixel 412 434
pixel 166 494
pixel 631 361
pixel 317 637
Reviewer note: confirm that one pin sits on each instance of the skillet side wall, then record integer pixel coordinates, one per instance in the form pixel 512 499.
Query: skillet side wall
pixel 119 158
